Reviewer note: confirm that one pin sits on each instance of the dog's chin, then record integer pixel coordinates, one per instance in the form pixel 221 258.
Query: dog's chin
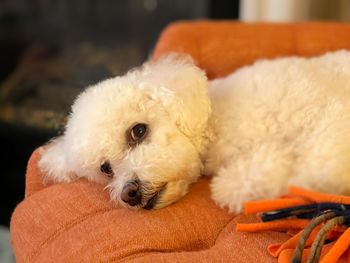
pixel 163 198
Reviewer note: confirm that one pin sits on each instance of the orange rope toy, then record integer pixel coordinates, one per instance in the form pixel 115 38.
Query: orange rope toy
pixel 322 221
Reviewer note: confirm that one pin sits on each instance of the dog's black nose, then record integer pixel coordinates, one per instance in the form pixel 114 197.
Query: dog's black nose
pixel 131 194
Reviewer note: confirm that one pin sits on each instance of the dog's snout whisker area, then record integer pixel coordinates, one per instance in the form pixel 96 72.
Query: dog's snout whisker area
pixel 153 200
pixel 131 193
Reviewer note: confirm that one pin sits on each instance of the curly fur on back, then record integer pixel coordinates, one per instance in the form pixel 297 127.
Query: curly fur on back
pixel 281 122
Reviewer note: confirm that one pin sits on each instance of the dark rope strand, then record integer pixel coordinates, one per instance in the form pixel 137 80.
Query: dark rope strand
pixel 317 245
pixel 311 210
pixel 298 252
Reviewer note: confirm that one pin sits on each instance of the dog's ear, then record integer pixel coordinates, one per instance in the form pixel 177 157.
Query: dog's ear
pixel 53 162
pixel 183 90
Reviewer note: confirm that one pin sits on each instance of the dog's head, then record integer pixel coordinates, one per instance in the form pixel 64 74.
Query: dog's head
pixel 140 134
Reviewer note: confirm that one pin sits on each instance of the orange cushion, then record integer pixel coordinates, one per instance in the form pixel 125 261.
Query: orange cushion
pixel 76 222
pixel 223 46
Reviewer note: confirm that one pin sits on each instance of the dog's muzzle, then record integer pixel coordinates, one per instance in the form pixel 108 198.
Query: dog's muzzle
pixel 132 194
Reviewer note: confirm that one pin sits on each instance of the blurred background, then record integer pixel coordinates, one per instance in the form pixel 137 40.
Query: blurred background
pixel 52 49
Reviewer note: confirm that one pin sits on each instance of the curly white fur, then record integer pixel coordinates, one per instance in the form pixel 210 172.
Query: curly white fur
pixel 268 125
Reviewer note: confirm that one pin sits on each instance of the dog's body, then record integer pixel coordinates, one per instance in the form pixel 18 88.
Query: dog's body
pixel 281 123
pixel 149 135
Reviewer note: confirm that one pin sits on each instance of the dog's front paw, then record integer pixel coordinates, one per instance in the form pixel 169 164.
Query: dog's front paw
pixel 229 195
pixel 233 206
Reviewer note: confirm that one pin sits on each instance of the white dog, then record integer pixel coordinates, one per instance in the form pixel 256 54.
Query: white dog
pixel 149 134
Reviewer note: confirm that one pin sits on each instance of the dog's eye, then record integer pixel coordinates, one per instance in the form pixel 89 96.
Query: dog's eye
pixel 106 169
pixel 138 132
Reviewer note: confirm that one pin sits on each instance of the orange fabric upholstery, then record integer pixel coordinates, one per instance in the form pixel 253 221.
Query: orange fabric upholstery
pixel 221 47
pixel 76 222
